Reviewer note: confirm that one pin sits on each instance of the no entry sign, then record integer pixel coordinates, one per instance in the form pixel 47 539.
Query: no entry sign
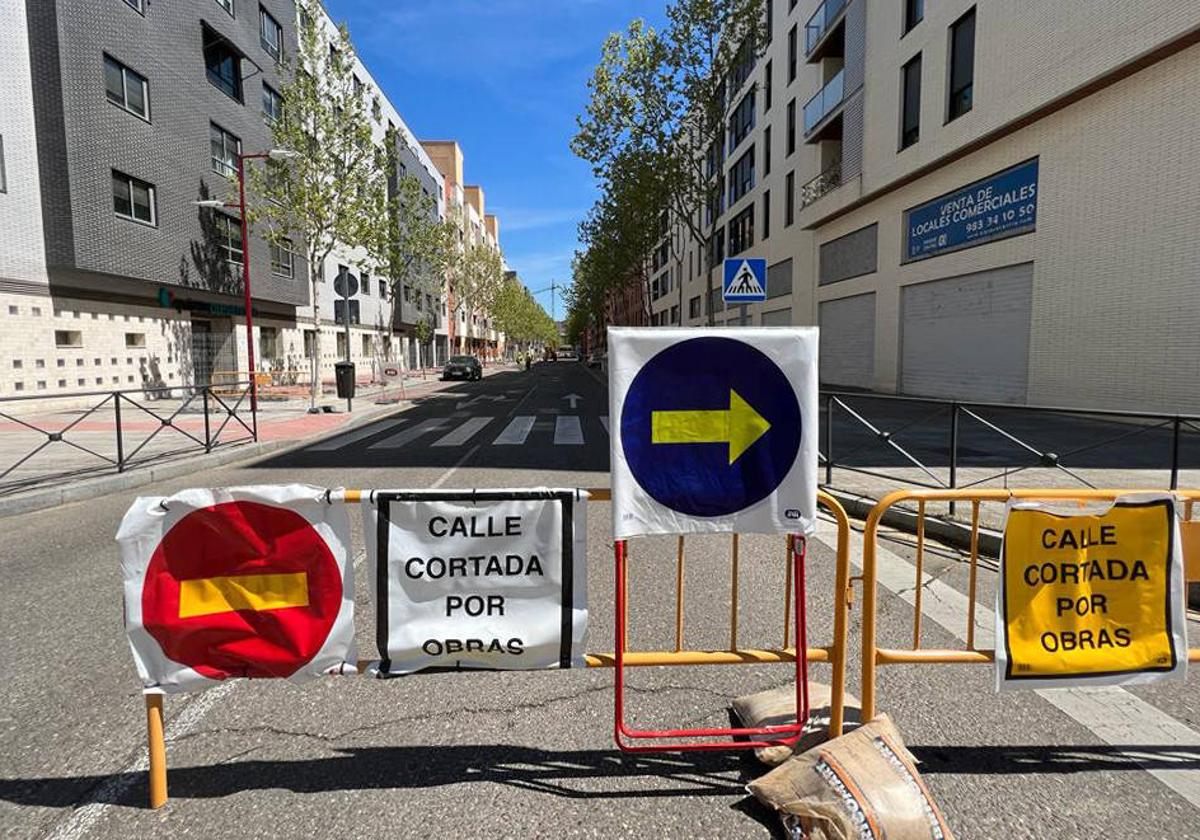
pixel 1090 598
pixel 243 582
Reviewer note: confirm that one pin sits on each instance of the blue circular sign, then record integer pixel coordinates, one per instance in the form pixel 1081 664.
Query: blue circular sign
pixel 710 426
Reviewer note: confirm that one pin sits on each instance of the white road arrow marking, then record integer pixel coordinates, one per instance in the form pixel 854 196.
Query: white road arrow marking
pixel 572 400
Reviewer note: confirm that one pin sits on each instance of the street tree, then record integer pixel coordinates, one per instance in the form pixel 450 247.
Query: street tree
pixel 475 272
pixel 667 93
pixel 329 195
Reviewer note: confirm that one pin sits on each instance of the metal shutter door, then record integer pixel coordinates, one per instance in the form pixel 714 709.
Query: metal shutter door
pixel 847 352
pixel 967 337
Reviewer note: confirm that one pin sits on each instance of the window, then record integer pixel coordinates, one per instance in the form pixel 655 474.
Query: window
pixel 716 201
pixel 68 338
pixel 743 67
pixel 310 343
pixel 910 108
pixel 791 127
pixel 741 176
pixel 366 345
pixel 914 12
pixel 766 164
pixel 339 309
pixel 766 214
pixel 269 345
pixel 741 231
pixel 789 198
pixel 365 284
pixel 222 64
pixel 962 65
pixel 716 248
pixel 225 150
pixel 272 103
pixel 792 53
pixel 227 5
pixel 270 33
pixel 125 88
pixel 715 157
pixel 132 198
pixel 741 121
pixel 135 340
pixel 229 237
pixel 767 88
pixel 694 307
pixel 283 258
pixel 675 314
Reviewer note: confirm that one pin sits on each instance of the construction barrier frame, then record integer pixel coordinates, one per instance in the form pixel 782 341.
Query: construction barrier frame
pixel 874 656
pixel 834 654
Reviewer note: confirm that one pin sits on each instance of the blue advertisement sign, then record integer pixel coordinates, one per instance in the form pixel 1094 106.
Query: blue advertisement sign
pixel 999 206
pixel 710 426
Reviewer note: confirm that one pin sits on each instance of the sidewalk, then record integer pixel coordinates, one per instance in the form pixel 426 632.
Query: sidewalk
pixel 52 455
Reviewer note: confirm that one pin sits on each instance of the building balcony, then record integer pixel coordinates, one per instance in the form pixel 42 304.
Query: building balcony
pixel 822 113
pixel 826 182
pixel 824 34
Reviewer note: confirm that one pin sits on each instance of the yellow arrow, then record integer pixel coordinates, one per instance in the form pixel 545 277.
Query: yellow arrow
pixel 740 426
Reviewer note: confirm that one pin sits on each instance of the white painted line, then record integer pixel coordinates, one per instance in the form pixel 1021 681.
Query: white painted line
pixel 464 432
pixel 446 475
pixel 568 431
pixel 400 439
pixel 515 432
pixel 604 423
pixel 340 441
pixel 1115 716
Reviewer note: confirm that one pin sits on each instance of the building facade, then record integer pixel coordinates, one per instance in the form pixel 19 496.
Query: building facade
pixel 121 115
pixel 981 201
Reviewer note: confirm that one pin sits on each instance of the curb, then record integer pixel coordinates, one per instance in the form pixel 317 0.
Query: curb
pixel 138 477
pixel 946 531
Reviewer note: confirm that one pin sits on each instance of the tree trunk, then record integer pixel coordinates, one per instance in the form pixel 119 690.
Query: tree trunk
pixel 315 363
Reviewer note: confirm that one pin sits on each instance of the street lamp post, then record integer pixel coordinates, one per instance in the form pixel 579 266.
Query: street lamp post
pixel 273 154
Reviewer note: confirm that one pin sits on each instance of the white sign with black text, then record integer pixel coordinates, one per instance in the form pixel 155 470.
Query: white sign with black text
pixel 491 580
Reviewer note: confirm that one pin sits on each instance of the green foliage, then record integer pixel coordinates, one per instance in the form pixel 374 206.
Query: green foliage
pixel 520 316
pixel 330 194
pixel 658 100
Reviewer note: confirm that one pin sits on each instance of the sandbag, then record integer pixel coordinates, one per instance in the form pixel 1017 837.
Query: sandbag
pixel 861 786
pixel 777 706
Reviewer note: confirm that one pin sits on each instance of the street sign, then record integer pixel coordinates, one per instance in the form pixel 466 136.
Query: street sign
pixel 745 280
pixel 493 579
pixel 713 433
pixel 345 284
pixel 240 582
pixel 1090 598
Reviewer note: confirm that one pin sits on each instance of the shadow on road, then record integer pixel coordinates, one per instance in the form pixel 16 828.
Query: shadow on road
pixel 1058 759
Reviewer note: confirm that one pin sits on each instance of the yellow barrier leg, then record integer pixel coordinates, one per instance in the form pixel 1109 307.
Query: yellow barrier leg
pixel 158 750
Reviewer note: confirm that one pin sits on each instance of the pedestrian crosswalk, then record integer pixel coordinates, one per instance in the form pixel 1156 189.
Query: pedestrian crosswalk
pixel 565 430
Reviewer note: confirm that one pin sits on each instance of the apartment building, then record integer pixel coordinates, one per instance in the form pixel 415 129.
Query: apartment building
pixel 121 115
pixel 985 201
pixel 469 329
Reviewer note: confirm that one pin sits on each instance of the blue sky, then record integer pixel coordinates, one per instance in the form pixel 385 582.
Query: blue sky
pixel 506 78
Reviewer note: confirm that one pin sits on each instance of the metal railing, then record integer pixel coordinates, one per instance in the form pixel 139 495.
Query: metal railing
pixel 825 100
pixel 829 179
pixel 821 22
pixel 928 442
pixel 80 435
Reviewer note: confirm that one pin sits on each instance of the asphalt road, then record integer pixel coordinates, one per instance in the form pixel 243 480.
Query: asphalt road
pixel 524 754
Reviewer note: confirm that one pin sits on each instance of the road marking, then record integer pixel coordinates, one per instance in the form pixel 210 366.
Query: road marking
pixel 1113 715
pixel 515 432
pixel 408 435
pixel 446 475
pixel 339 441
pixel 464 432
pixel 604 423
pixel 567 431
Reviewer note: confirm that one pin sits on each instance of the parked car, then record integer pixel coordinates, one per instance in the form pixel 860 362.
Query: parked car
pixel 462 367
pixel 567 354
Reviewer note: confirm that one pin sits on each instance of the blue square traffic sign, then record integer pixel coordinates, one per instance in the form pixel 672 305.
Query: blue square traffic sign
pixel 745 280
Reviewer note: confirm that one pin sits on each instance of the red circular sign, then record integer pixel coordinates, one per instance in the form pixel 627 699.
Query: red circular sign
pixel 233 549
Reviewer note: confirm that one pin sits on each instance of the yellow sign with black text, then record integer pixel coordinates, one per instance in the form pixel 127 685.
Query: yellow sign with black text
pixel 1090 598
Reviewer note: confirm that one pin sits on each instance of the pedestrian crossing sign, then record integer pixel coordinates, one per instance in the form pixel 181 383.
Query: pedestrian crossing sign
pixel 745 281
